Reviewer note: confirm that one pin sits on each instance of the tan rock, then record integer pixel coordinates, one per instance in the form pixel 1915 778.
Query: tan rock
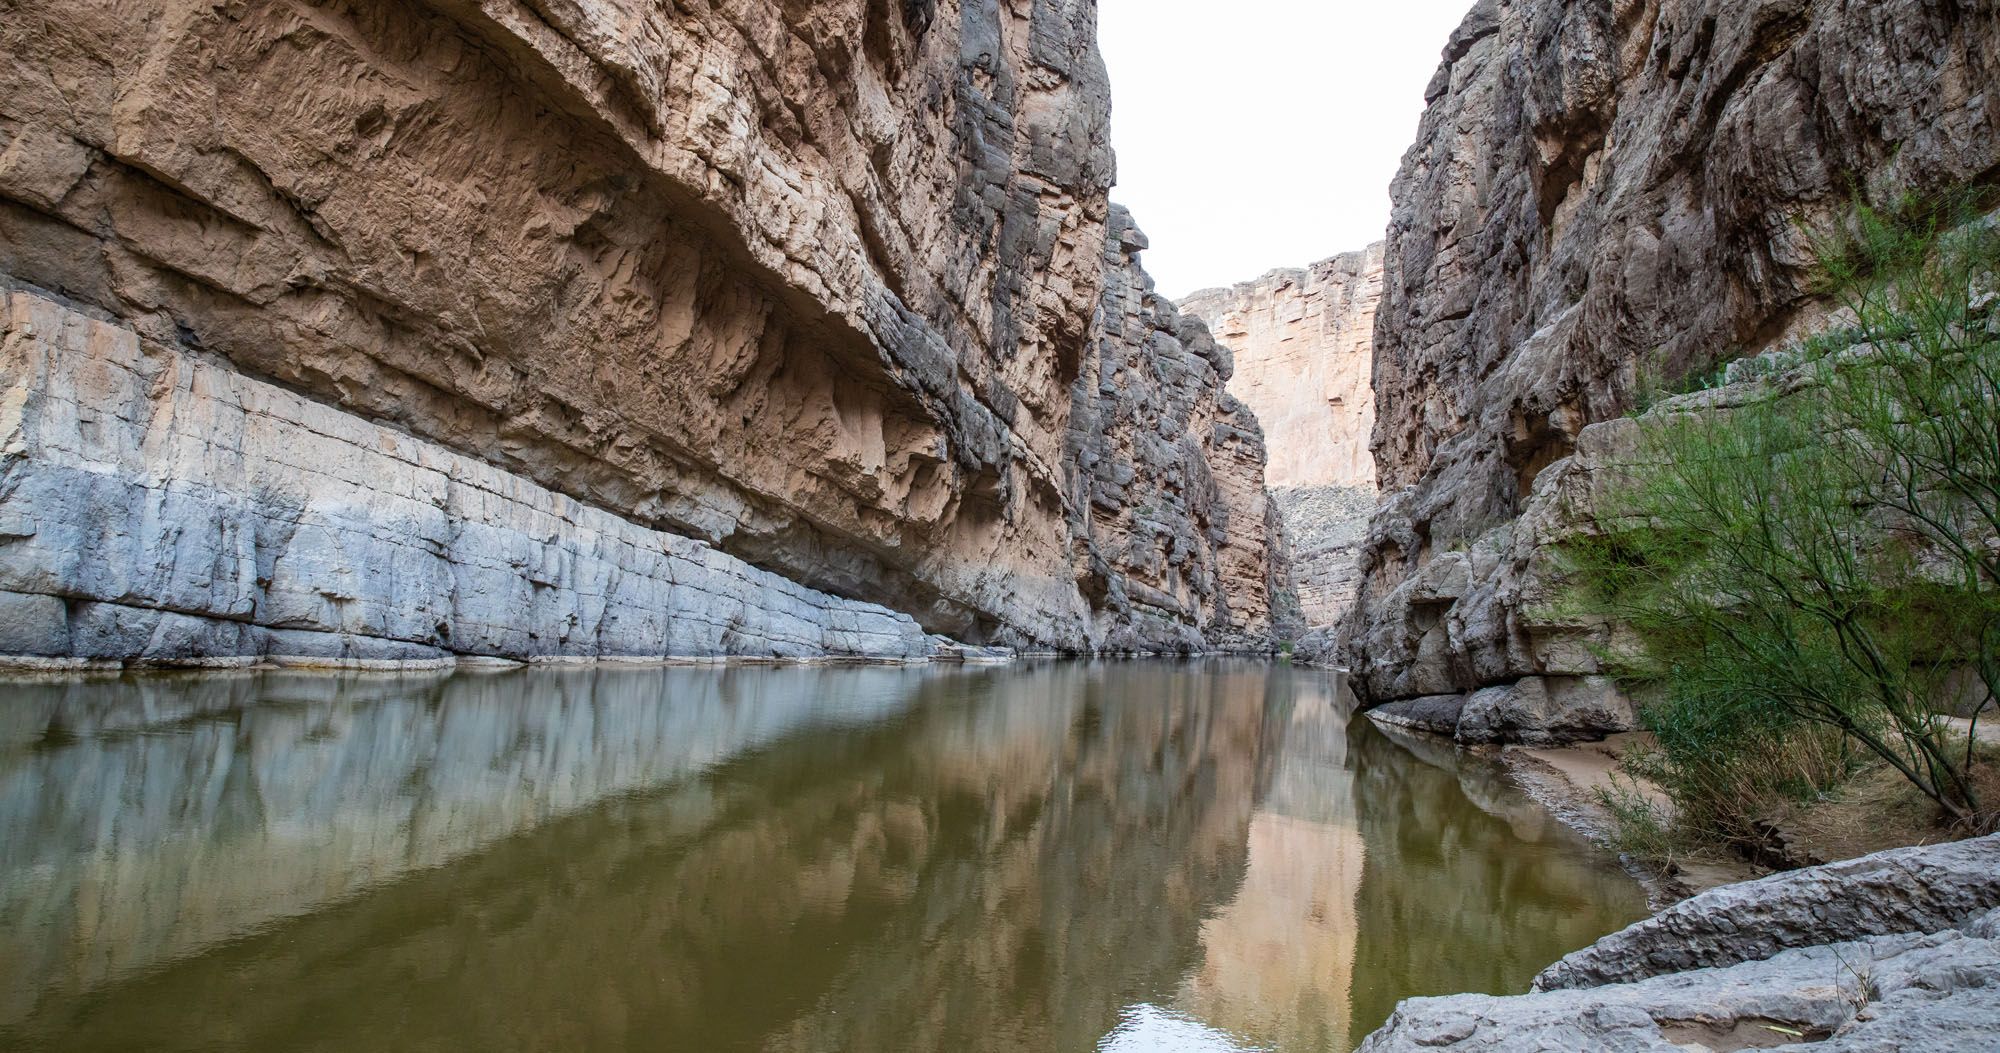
pixel 808 283
pixel 1304 343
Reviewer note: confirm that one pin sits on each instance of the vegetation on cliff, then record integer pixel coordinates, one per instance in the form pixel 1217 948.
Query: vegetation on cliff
pixel 1808 553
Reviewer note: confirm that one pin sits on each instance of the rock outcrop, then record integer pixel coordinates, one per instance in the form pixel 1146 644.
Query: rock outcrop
pixel 1324 529
pixel 1303 341
pixel 1186 548
pixel 160 507
pixel 1601 191
pixel 811 287
pixel 1535 710
pixel 1895 951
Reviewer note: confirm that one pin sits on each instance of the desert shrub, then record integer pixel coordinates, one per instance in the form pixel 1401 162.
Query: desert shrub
pixel 1808 557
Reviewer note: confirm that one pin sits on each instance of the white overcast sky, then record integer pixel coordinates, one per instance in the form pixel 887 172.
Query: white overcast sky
pixel 1255 134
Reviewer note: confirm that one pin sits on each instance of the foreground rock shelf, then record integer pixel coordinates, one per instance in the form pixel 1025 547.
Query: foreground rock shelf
pixel 1895 951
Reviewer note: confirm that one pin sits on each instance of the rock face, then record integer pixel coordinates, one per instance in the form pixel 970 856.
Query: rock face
pixel 1324 528
pixel 1185 542
pixel 1535 710
pixel 1601 190
pixel 161 507
pixel 1903 890
pixel 1895 951
pixel 1303 340
pixel 1304 345
pixel 813 287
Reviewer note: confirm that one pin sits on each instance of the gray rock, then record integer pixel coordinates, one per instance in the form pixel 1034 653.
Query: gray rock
pixel 1185 547
pixel 1904 890
pixel 1436 714
pixel 167 509
pixel 1893 952
pixel 1881 995
pixel 1598 192
pixel 1546 711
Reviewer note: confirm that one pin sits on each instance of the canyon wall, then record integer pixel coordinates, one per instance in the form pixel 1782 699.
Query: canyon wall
pixel 1185 542
pixel 1303 340
pixel 1601 192
pixel 812 286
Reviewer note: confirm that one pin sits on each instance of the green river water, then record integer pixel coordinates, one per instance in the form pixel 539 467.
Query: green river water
pixel 1043 856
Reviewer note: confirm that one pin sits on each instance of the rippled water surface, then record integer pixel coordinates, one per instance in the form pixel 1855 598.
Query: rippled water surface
pixel 1060 856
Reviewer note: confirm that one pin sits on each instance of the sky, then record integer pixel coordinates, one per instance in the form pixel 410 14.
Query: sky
pixel 1255 134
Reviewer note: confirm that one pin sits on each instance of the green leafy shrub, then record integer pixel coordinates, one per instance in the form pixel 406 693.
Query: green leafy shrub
pixel 1808 558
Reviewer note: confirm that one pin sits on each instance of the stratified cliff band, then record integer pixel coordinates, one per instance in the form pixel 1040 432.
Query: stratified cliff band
pixel 373 329
pixel 1304 345
pixel 1601 191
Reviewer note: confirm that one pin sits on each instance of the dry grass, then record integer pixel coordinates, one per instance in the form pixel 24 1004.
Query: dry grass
pixel 1876 809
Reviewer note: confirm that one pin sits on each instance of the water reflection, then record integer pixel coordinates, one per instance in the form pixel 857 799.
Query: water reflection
pixel 1174 856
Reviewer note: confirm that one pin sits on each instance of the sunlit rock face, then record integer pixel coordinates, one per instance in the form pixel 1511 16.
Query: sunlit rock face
pixel 1304 345
pixel 1598 191
pixel 810 284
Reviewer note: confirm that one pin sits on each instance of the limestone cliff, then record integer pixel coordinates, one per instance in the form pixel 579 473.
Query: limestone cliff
pixel 809 285
pixel 1185 546
pixel 1303 340
pixel 1600 190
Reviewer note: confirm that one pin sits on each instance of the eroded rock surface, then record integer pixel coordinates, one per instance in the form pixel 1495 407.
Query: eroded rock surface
pixel 1895 951
pixel 1184 543
pixel 1924 889
pixel 161 507
pixel 1303 341
pixel 1304 344
pixel 1601 190
pixel 1324 529
pixel 810 284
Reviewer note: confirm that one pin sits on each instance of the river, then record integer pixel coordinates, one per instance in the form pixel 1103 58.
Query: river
pixel 1044 856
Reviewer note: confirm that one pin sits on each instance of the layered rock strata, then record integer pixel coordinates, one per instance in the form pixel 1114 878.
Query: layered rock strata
pixel 1895 951
pixel 1303 342
pixel 159 507
pixel 1602 192
pixel 1324 529
pixel 1185 546
pixel 810 287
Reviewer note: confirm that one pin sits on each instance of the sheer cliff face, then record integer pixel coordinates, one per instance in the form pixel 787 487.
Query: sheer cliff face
pixel 1597 189
pixel 810 283
pixel 1304 341
pixel 1184 543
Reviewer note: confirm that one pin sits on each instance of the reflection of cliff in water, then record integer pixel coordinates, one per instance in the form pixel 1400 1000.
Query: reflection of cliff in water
pixel 147 817
pixel 1469 885
pixel 1278 959
pixel 799 859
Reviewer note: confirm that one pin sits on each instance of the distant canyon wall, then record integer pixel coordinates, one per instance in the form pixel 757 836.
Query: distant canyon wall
pixel 1303 342
pixel 1599 191
pixel 816 288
